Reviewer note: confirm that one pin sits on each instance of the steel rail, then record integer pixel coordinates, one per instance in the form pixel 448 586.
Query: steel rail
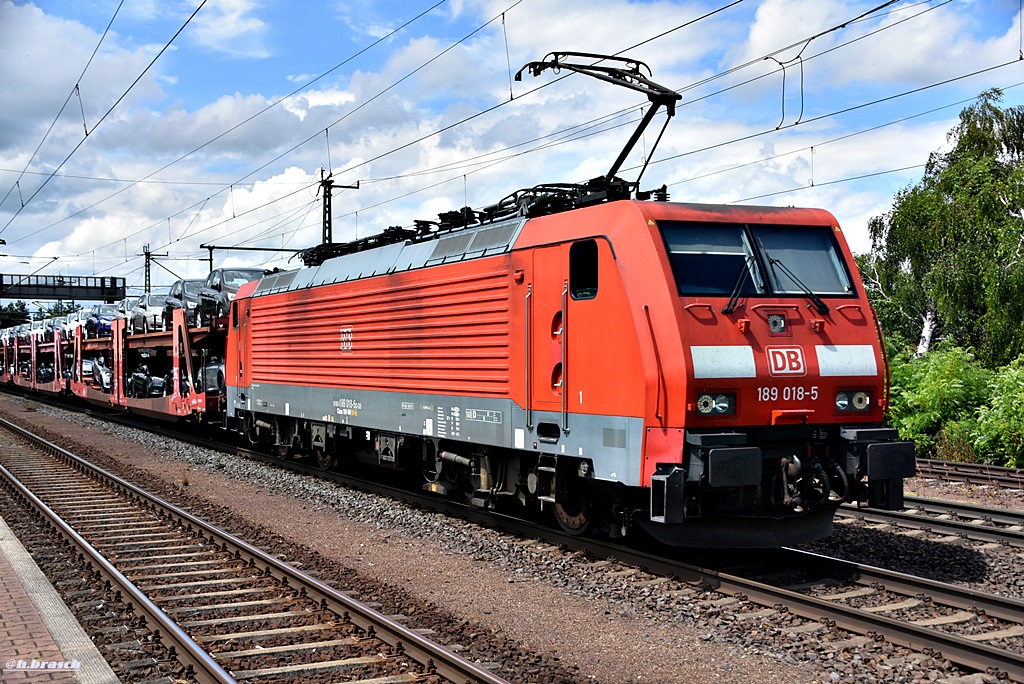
pixel 200 663
pixel 953 595
pixel 964 652
pixel 1002 516
pixel 446 664
pixel 964 529
pixel 977 473
pixel 975 655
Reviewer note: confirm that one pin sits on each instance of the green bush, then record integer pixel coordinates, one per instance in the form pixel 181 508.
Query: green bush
pixel 999 431
pixel 944 387
pixel 955 442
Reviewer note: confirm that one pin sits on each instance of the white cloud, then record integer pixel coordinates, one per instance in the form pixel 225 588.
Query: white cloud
pixel 36 80
pixel 277 152
pixel 228 26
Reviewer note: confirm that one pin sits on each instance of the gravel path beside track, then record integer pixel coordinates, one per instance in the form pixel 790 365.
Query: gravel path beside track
pixel 597 622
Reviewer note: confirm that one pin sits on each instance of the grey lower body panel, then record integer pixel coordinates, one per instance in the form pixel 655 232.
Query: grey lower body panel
pixel 613 444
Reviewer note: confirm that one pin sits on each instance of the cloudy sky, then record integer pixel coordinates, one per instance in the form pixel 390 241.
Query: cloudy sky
pixel 147 122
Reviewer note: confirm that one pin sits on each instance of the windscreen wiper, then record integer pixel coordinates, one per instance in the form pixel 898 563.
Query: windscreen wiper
pixel 772 263
pixel 734 296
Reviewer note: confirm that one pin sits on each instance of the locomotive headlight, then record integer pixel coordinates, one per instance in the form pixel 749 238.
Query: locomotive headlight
pixel 843 401
pixel 716 404
pixel 853 400
pixel 861 401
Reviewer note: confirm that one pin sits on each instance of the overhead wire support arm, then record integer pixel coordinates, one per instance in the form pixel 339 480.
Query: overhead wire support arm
pixel 245 249
pixel 630 76
pixel 327 184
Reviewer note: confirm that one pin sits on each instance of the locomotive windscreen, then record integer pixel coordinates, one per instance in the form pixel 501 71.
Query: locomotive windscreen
pixel 711 258
pixel 807 256
pixel 723 258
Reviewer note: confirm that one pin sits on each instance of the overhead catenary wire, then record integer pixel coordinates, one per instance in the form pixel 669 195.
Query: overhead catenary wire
pixel 820 144
pixel 242 180
pixel 838 112
pixel 823 116
pixel 437 56
pixel 460 176
pixel 235 127
pixel 74 91
pixel 467 119
pixel 103 118
pixel 723 143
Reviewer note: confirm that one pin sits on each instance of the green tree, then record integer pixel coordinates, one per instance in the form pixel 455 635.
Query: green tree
pixel 948 260
pixel 999 430
pixel 60 308
pixel 934 393
pixel 13 314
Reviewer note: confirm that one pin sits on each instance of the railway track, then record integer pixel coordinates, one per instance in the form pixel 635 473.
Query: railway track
pixel 975 630
pixel 975 473
pixel 230 611
pixel 850 605
pixel 967 521
pixel 980 631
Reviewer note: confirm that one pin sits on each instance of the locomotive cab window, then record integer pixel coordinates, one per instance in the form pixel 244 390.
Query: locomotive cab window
pixel 801 259
pixel 712 259
pixel 756 259
pixel 583 269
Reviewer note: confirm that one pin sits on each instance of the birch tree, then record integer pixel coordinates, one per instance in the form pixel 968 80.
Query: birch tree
pixel 947 261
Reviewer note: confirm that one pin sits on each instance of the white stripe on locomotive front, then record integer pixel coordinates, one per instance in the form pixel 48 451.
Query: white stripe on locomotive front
pixel 836 360
pixel 737 361
pixel 723 362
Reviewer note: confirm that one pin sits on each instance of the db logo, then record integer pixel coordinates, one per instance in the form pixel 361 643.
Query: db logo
pixel 786 361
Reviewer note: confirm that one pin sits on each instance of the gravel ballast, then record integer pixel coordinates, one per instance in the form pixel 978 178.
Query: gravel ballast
pixel 598 621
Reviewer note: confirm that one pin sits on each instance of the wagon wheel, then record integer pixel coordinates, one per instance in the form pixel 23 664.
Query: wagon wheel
pixel 324 458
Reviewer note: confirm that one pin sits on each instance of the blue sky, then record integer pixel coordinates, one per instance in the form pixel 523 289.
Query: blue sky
pixel 188 150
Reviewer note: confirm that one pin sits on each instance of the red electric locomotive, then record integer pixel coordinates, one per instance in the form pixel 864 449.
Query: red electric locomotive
pixel 712 374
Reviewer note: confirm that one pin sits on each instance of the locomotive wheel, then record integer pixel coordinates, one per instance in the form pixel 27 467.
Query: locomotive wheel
pixel 574 519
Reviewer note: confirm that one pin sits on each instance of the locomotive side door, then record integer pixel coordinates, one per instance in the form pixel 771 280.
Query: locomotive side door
pixel 546 351
pixel 237 356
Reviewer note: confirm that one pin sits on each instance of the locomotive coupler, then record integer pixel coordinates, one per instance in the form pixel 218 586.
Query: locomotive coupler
pixel 790 469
